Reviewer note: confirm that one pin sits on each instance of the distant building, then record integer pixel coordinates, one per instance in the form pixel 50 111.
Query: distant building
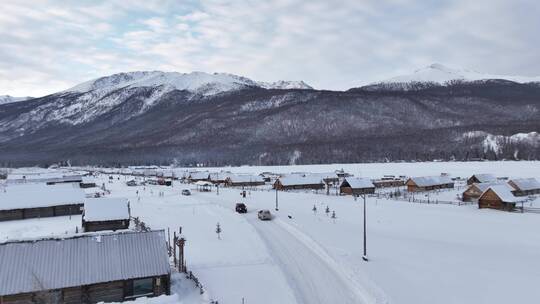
pixel 428 183
pixel 244 180
pixel 356 186
pixel 85 268
pixel 498 197
pixel 39 200
pixel 481 178
pixel 388 182
pixel 297 181
pixel 525 186
pixel 105 214
pixel 199 176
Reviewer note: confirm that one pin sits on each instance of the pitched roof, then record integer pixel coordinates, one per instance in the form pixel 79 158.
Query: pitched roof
pixel 40 195
pixel 503 191
pixel 199 175
pixel 245 178
pixel 83 259
pixel 358 182
pixel 525 184
pixel 426 181
pixel 484 178
pixel 105 209
pixel 296 179
pixel 483 186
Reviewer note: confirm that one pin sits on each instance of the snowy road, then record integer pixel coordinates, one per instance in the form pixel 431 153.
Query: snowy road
pixel 311 276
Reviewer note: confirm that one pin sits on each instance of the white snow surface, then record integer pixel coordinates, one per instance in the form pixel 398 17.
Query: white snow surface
pixel 419 253
pixel 441 74
pixel 39 195
pixel 106 209
pixel 196 82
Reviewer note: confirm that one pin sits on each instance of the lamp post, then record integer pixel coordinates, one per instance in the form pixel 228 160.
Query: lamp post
pixel 364 257
pixel 277 208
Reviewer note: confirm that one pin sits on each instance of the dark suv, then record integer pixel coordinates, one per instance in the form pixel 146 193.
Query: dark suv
pixel 241 208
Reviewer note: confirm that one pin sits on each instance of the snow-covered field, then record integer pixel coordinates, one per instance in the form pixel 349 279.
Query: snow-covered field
pixel 418 253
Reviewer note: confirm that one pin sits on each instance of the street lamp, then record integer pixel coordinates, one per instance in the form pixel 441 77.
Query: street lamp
pixel 277 199
pixel 364 257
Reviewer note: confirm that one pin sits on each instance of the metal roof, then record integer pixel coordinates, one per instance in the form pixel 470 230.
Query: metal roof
pixel 43 264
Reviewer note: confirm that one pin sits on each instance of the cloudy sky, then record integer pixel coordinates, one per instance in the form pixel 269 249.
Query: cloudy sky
pixel 47 46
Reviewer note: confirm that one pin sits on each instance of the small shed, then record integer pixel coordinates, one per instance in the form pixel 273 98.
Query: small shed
pixel 481 178
pixel 85 268
pixel 204 186
pixel 297 181
pixel 25 201
pixel 105 214
pixel 356 186
pixel 498 197
pixel 525 186
pixel 428 183
pixel 244 180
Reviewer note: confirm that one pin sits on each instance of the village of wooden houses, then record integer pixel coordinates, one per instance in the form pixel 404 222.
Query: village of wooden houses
pixel 181 235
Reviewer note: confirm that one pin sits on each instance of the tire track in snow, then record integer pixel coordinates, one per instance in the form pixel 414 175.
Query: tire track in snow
pixel 313 279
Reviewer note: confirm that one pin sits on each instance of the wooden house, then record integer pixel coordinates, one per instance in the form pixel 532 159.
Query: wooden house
pixel 85 268
pixel 356 186
pixel 498 197
pixel 297 181
pixel 105 214
pixel 19 202
pixel 481 178
pixel 474 191
pixel 244 181
pixel 428 183
pixel 219 177
pixel 199 176
pixel 525 186
pixel 388 182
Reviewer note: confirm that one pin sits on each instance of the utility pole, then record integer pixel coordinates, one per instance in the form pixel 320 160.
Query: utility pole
pixel 364 257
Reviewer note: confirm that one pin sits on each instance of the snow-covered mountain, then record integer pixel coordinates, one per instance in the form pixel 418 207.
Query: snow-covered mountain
pixel 195 82
pixel 9 99
pixel 439 74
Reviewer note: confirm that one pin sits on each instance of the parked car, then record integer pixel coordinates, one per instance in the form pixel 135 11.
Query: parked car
pixel 241 208
pixel 186 192
pixel 264 215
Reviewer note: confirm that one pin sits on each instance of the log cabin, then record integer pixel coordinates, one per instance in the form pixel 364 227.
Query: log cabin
pixel 474 191
pixel 356 186
pixel 297 181
pixel 85 268
pixel 25 201
pixel 525 186
pixel 244 181
pixel 105 214
pixel 481 178
pixel 428 183
pixel 498 197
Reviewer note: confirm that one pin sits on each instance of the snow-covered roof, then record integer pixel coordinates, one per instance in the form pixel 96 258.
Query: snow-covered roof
pixel 199 175
pixel 105 209
pixel 55 176
pixel 245 178
pixel 220 176
pixel 525 184
pixel 295 179
pixel 359 182
pixel 485 178
pixel 203 183
pixel 426 181
pixel 328 175
pixel 484 186
pixel 83 259
pixel 503 192
pixel 40 195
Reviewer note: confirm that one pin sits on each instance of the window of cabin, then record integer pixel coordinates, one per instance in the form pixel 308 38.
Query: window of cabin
pixel 139 288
